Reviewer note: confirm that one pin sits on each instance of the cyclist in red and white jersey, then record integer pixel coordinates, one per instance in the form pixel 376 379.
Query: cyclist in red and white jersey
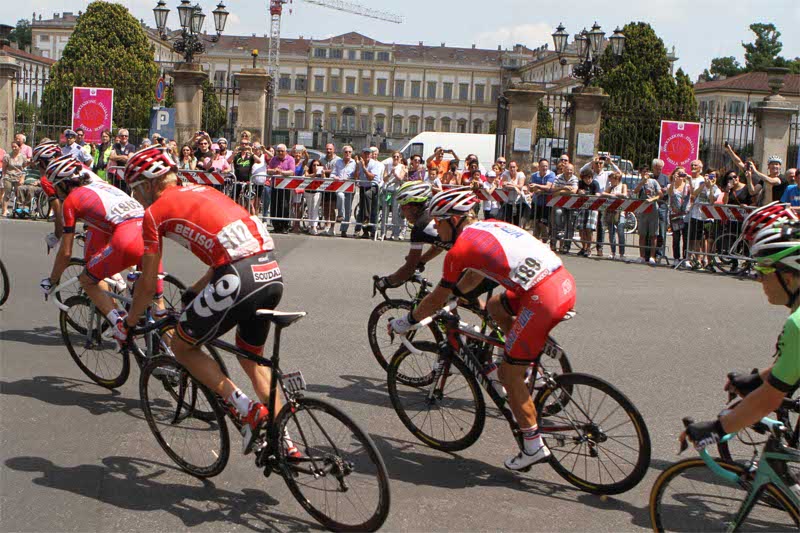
pixel 539 292
pixel 243 276
pixel 114 239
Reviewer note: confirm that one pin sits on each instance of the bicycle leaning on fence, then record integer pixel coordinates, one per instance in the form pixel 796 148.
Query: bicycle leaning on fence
pixel 703 494
pixel 598 440
pixel 339 478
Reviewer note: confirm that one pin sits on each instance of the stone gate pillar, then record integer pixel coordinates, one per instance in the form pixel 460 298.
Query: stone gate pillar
pixel 773 116
pixel 253 83
pixel 9 70
pixel 523 110
pixel 188 89
pixel 584 132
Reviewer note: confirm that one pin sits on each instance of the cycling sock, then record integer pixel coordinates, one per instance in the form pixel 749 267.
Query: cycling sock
pixel 240 401
pixel 114 316
pixel 531 439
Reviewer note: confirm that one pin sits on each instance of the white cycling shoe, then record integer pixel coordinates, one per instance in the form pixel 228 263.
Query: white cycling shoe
pixel 523 461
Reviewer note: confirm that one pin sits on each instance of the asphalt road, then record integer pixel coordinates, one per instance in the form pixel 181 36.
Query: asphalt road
pixel 76 457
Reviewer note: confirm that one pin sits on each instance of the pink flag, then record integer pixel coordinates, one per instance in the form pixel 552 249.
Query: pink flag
pixel 92 110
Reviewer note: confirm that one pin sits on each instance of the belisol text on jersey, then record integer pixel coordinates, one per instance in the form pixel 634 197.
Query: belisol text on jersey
pixel 199 238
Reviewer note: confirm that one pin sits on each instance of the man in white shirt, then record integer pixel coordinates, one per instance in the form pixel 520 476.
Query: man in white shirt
pixel 370 179
pixel 514 185
pixel 344 168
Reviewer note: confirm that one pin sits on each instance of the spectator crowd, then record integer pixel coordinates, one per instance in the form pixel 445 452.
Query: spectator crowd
pixel 251 168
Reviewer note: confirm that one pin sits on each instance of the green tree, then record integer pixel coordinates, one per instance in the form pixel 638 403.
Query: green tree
pixel 642 92
pixel 722 66
pixel 21 34
pixel 108 48
pixel 763 52
pixel 544 123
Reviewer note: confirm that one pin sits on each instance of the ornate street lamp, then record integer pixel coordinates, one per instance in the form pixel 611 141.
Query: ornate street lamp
pixel 588 47
pixel 191 17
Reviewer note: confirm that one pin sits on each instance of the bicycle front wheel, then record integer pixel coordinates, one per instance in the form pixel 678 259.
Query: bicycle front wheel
pixel 82 327
pixel 340 478
pixel 74 269
pixel 385 346
pixel 185 418
pixel 43 206
pixel 447 412
pixel 688 496
pixel 598 440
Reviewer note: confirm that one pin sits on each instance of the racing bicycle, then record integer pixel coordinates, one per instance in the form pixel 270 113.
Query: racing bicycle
pixel 339 478
pixel 87 334
pixel 703 494
pixel 598 440
pixel 384 345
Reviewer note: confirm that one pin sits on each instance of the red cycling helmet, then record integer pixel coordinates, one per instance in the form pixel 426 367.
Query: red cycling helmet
pixel 45 152
pixel 764 217
pixel 147 164
pixel 64 168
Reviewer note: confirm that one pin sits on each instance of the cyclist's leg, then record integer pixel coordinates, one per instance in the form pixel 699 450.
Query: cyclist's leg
pixel 95 244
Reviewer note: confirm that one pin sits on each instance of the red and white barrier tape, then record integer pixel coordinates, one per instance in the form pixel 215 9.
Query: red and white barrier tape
pixel 192 176
pixel 724 213
pixel 593 203
pixel 314 184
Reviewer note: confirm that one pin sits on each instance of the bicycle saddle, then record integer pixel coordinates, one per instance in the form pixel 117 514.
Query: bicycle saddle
pixel 281 319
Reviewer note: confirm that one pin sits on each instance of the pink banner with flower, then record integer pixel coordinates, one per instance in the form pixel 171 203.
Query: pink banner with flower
pixel 92 110
pixel 679 144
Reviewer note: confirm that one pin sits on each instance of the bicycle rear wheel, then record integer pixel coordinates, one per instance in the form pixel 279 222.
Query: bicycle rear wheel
pixel 173 290
pixel 5 285
pixel 688 496
pixel 598 440
pixel 340 479
pixel 447 414
pixel 82 327
pixel 43 205
pixel 385 346
pixel 185 418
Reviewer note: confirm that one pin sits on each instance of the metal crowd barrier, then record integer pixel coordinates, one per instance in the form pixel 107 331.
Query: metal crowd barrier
pixel 713 243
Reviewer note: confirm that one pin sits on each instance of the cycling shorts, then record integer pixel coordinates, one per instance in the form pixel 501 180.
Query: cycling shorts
pixel 106 255
pixel 232 297
pixel 537 312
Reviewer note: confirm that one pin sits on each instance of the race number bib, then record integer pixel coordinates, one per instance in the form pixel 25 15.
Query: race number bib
pixel 528 273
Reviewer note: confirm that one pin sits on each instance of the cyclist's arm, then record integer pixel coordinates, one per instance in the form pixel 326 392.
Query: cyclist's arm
pixel 145 287
pixel 201 283
pixel 753 408
pixel 62 257
pixel 55 205
pixel 432 303
pixel 469 281
pixel 432 252
pixel 405 272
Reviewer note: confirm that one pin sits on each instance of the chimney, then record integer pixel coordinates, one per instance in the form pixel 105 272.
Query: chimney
pixel 420 43
pixel 499 48
pixel 442 45
pixel 473 46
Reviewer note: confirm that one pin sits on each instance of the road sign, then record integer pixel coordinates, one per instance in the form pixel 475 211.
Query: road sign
pixel 161 88
pixel 162 121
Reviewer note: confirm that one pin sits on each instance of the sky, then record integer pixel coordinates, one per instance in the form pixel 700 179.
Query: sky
pixel 699 29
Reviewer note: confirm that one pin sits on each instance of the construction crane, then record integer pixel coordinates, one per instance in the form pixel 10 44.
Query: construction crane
pixel 273 55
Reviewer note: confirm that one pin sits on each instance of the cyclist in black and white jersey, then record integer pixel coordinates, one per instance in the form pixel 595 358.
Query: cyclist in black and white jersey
pixel 413 197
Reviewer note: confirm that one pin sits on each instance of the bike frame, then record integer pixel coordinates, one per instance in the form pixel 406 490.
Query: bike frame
pixel 456 332
pixel 774 452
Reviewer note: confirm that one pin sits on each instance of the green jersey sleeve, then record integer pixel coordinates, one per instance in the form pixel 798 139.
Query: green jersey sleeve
pixel 785 374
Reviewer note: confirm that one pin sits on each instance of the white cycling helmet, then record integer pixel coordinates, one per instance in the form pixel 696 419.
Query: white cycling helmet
pixel 414 192
pixel 452 202
pixel 778 244
pixel 764 217
pixel 64 169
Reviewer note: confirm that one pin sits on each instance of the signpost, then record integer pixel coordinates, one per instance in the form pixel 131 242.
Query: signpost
pixel 161 89
pixel 92 111
pixel 679 144
pixel 162 121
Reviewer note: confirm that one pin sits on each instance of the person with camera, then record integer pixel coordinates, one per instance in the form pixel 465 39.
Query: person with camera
pixel 773 183
pixel 437 160
pixel 600 175
pixel 704 191
pixel 282 164
pixel 648 190
pixel 243 162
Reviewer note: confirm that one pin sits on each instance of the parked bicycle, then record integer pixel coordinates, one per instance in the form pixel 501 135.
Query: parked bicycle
pixel 339 479
pixel 703 494
pixel 385 345
pixel 597 438
pixel 87 334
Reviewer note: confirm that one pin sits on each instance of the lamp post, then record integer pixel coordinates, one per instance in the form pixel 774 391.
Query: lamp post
pixel 588 46
pixel 191 18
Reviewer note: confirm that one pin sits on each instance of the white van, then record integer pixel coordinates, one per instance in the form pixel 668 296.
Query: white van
pixel 462 144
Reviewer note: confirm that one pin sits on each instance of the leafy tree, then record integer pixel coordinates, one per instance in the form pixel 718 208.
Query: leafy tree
pixel 108 48
pixel 642 92
pixel 544 123
pixel 722 66
pixel 21 34
pixel 762 53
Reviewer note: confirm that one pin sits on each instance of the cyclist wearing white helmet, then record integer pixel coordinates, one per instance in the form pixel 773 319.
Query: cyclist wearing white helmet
pixel 413 198
pixel 43 153
pixel 776 250
pixel 533 277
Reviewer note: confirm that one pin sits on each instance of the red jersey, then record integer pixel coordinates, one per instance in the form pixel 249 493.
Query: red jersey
pixel 215 228
pixel 503 252
pixel 101 206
